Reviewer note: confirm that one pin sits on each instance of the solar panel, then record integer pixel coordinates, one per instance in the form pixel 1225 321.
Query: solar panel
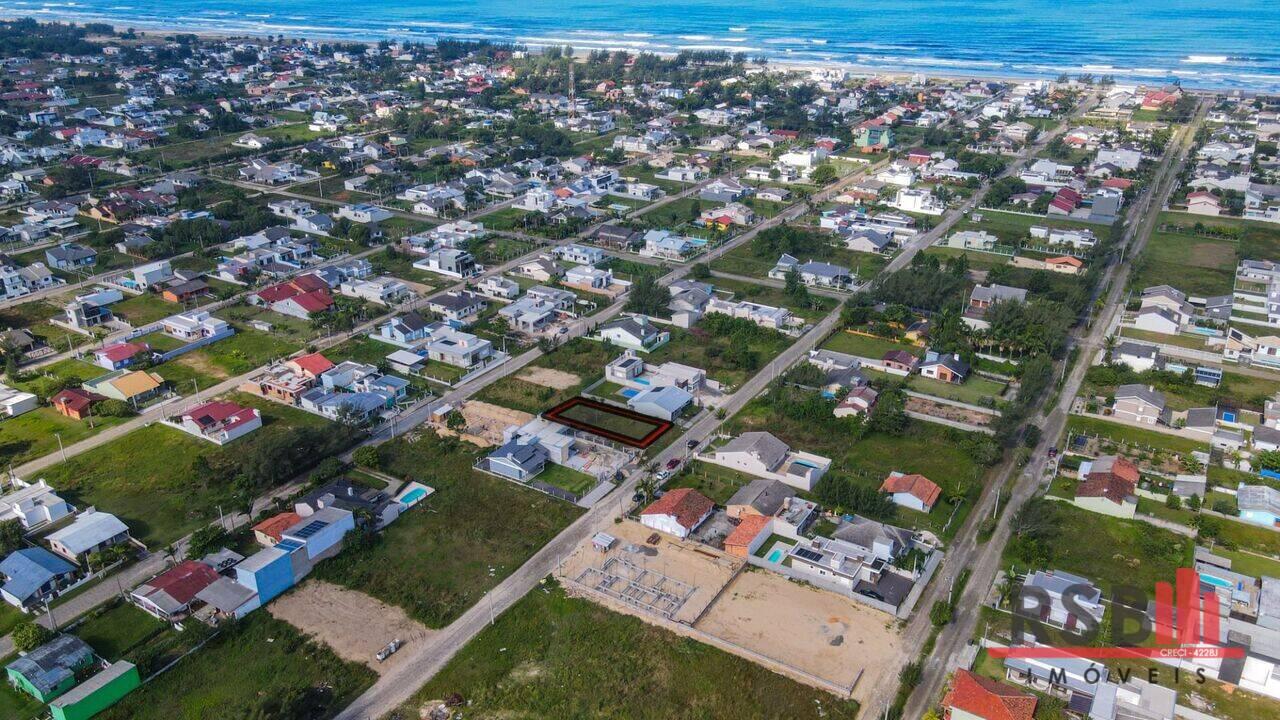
pixel 809 555
pixel 311 529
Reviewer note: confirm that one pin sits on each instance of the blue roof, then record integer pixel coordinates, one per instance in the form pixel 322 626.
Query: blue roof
pixel 30 568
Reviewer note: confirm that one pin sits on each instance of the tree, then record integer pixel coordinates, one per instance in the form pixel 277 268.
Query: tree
pixel 11 534
pixel 455 421
pixel 700 271
pixel 206 540
pixel 113 408
pixel 367 456
pixel 824 174
pixel 1173 502
pixel 940 613
pixel 647 297
pixel 28 636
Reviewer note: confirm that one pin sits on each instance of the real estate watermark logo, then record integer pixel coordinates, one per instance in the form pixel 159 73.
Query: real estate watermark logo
pixel 1182 624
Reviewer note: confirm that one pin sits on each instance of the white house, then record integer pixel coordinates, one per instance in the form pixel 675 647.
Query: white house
pixel 679 512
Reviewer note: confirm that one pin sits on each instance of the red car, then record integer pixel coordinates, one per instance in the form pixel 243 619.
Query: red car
pixel 673 463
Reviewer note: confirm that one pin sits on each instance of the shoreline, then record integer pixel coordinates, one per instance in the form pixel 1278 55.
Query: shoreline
pixel 151 29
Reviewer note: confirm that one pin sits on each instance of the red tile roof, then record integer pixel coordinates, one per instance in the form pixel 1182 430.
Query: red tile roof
pixel 686 505
pixel 747 530
pixel 924 489
pixel 122 351
pixel 988 699
pixel 274 526
pixel 75 399
pixel 314 301
pixel 313 364
pixel 1116 484
pixel 182 582
pixel 292 288
pixel 1065 260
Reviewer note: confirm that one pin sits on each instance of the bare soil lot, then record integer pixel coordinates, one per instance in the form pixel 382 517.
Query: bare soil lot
pixel 815 631
pixel 353 624
pixel 548 377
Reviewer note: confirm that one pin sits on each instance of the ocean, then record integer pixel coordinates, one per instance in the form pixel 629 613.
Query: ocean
pixel 1205 43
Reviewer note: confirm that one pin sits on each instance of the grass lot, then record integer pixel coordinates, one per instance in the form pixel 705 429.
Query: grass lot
pixel 1195 342
pixel 505 219
pixel 864 346
pixel 257 667
pixel 365 349
pixel 401 265
pixel 114 631
pixel 144 309
pixel 35 434
pixel 816 309
pixel 439 559
pixel 1118 552
pixel 239 354
pixel 283 327
pixel 34 317
pixel 632 269
pixel 150 477
pixel 1203 264
pixel 605 420
pixel 1249 563
pixel 712 352
pixel 497 249
pixel 41 380
pixel 1242 391
pixel 584 358
pixel 975 391
pixel 1132 435
pixel 565 478
pixel 982 261
pixel 555 656
pixel 716 482
pixel 742 260
pixel 675 213
pixel 1013 229
pixel 18 705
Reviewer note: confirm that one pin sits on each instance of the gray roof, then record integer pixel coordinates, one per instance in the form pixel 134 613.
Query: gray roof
pixel 527 456
pixel 763 495
pixel 49 665
pixel 865 532
pixel 1146 393
pixel 93 684
pixel 1206 417
pixel 1261 498
pixel 993 293
pixel 225 594
pixel 1269 600
pixel 1057 582
pixel 768 449
pixel 89 530
pixel 633 327
pixel 1266 434
pixel 1137 350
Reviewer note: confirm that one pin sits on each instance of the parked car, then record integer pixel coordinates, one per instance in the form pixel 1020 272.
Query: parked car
pixel 673 463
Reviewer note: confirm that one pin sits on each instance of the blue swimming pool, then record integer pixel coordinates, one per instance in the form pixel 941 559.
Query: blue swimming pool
pixel 776 555
pixel 1215 581
pixel 630 392
pixel 412 497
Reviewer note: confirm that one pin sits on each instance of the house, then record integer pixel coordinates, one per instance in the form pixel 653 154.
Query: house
pixel 92 531
pixel 144 276
pixel 636 332
pixel 679 512
pixel 218 421
pixel 1203 203
pixel 763 455
pixel 1138 357
pixel 168 596
pixel 542 269
pixel 99 692
pixel 1054 586
pixel 1141 404
pixel 14 402
pixel 33 506
pixel 120 354
pixel 1259 504
pixel 860 401
pixel 498 288
pixel 762 497
pixel 51 669
pixel 1109 486
pixel 459 308
pixel 1157 320
pixel 661 401
pixel 375 507
pixel 916 492
pixel 451 262
pixel 900 360
pixel 457 348
pixel 364 213
pixel 816 274
pixel 748 535
pixel 668 245
pixel 384 291
pixel 518 459
pixel 131 386
pixel 947 367
pixel 70 256
pixel 406 329
pixel 301 297
pixel 196 325
pixel 270 531
pixel 182 292
pixel 33 576
pixel 983 297
pixel 973 697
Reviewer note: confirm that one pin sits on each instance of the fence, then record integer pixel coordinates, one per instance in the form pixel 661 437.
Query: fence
pixel 827 585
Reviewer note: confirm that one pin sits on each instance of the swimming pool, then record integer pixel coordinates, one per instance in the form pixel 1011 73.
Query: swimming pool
pixel 804 463
pixel 630 392
pixel 1216 582
pixel 413 496
pixel 776 555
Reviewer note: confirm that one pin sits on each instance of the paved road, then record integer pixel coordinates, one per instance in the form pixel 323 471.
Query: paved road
pixel 983 562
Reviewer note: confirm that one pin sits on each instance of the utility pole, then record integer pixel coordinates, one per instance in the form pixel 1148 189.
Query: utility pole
pixel 61 449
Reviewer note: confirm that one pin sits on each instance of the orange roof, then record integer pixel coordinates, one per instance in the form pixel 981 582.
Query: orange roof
pixel 274 526
pixel 988 699
pixel 137 383
pixel 313 364
pixel 1065 260
pixel 747 530
pixel 686 505
pixel 926 490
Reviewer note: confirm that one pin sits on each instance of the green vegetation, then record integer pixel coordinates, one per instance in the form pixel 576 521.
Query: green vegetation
pixel 117 629
pixel 610 422
pixel 1133 435
pixel 566 478
pixel 866 346
pixel 1198 255
pixel 555 656
pixel 38 433
pixel 729 349
pixel 758 257
pixel 257 667
pixel 716 482
pixel 164 483
pixel 812 309
pixel 577 355
pixel 1047 533
pixel 439 559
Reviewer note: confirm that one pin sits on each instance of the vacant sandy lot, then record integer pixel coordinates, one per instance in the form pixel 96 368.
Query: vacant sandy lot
pixel 548 377
pixel 353 624
pixel 486 422
pixel 700 568
pixel 819 632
